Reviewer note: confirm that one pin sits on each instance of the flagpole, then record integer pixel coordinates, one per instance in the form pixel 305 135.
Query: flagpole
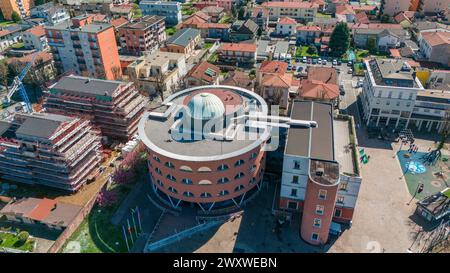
pixel 126 240
pixel 129 231
pixel 139 218
pixel 134 223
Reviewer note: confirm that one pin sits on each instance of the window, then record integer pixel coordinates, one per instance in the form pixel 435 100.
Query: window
pixel 222 167
pixel 223 193
pixel 205 195
pixel 205 182
pixel 185 169
pixel 293 192
pixel 188 194
pixel 390 94
pixel 239 162
pixel 171 177
pixel 160 183
pixel 398 103
pixel 317 222
pixel 295 179
pixel 223 180
pixel 239 188
pixel 204 170
pixel 410 96
pixel 322 194
pixel 340 199
pixel 388 103
pixel 158 171
pixel 338 213
pixel 315 237
pixel 292 205
pixel 319 209
pixel 253 155
pixel 239 175
pixel 252 181
pixel 343 186
pixel 169 165
pixel 186 181
pixel 173 190
pixel 156 158
pixel 297 165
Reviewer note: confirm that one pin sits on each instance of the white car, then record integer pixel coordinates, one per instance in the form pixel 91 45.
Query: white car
pixel 334 62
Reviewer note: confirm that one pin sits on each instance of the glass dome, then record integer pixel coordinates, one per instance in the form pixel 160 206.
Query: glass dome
pixel 206 106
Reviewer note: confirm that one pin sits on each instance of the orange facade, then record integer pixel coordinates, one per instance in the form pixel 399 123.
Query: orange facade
pixel 9 6
pixel 206 177
pixel 109 54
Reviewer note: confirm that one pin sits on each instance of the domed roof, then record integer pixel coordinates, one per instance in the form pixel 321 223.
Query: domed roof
pixel 206 106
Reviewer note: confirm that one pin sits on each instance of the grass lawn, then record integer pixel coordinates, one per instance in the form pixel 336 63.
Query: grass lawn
pixel 303 51
pixel 360 54
pixel 213 58
pixel 6 23
pixel 226 19
pixel 11 241
pixel 17 45
pixel 358 69
pixel 188 10
pixel 96 234
pixel 170 31
pixel 321 15
pixel 208 45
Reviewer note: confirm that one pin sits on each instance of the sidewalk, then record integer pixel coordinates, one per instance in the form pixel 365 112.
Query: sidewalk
pixel 126 204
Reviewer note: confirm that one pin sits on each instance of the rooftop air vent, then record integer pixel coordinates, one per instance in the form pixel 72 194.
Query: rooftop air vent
pixel 320 171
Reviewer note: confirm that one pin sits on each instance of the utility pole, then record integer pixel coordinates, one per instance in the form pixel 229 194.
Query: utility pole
pixel 419 189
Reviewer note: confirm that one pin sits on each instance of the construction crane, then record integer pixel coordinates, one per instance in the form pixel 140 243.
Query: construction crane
pixel 18 85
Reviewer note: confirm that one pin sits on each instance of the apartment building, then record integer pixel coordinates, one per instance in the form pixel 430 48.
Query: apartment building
pixel 85 47
pixel 301 11
pixel 145 35
pixel 113 106
pixel 170 10
pixel 319 180
pixel 158 72
pixel 237 54
pixel 435 46
pixel 260 15
pixel 34 38
pixel 390 89
pixel 21 7
pixel 286 26
pixel 49 150
pixel 434 6
pixel 430 110
pixel 51 13
pixel 392 7
pixel 202 73
pixel 10 36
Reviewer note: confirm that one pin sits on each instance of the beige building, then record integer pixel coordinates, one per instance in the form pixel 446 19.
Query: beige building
pixel 392 7
pixel 22 7
pixel 434 6
pixel 158 72
pixel 304 11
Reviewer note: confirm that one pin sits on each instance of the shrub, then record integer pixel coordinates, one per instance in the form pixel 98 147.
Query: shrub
pixel 23 236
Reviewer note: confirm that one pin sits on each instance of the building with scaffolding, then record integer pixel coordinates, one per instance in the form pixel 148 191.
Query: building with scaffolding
pixel 47 149
pixel 113 106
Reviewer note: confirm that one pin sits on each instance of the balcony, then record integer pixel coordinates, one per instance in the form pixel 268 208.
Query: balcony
pixel 74 37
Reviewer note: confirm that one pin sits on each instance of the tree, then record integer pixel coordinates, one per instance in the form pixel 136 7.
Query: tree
pixel 4 75
pixel 23 237
pixel 312 49
pixel 160 85
pixel 117 72
pixel 372 44
pixel 241 13
pixel 15 17
pixel 385 18
pixel 340 39
pixel 434 155
pixel 260 32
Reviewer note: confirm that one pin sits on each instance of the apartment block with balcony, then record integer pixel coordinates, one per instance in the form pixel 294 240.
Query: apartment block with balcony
pixel 390 89
pixel 392 7
pixel 237 54
pixel 34 38
pixel 319 180
pixel 51 13
pixel 22 7
pixel 430 110
pixel 145 35
pixel 113 106
pixel 301 11
pixel 49 150
pixel 158 72
pixel 85 47
pixel 170 10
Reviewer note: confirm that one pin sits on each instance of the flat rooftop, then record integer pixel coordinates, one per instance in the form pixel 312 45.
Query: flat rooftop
pixel 86 86
pixel 344 152
pixel 144 22
pixel 390 72
pixel 93 27
pixel 316 142
pixel 155 131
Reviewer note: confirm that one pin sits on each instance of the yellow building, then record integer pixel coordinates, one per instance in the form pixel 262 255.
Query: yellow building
pixel 22 7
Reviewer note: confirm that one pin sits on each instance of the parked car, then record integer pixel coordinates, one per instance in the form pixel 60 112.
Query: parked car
pixel 305 59
pixel 294 68
pixel 350 63
pixel 309 60
pixel 324 62
pixel 350 71
pixel 334 62
pixel 289 67
pixel 360 83
pixel 299 68
pixel 314 61
pixel 339 62
pixel 319 60
pixel 297 60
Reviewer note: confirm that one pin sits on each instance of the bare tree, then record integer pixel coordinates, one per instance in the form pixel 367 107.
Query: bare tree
pixel 160 86
pixel 117 72
pixel 4 75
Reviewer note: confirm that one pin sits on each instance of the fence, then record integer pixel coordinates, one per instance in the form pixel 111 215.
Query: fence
pixel 75 223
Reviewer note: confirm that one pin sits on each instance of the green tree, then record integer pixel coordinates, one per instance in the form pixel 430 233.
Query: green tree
pixel 312 50
pixel 340 39
pixel 385 18
pixel 15 17
pixel 372 44
pixel 137 13
pixel 241 13
pixel 259 32
pixel 23 237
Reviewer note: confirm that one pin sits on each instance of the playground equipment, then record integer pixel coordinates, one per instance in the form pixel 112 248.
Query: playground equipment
pixel 363 157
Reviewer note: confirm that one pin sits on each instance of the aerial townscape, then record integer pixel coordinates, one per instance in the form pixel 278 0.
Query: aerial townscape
pixel 224 126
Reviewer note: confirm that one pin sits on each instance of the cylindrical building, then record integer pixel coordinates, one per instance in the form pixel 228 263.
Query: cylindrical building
pixel 206 146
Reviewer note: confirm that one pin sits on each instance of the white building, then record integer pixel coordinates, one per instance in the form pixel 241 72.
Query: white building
pixel 389 93
pixel 286 26
pixel 52 14
pixel 35 38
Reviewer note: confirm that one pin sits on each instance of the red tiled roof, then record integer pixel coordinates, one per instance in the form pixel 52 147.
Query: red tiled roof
pixel 298 5
pixel 309 28
pixel 257 10
pixel 387 26
pixel 323 74
pixel 238 47
pixel 214 25
pixel 318 90
pixel 287 21
pixel 37 31
pixel 273 67
pixel 98 17
pixel 275 80
pixel 395 53
pixel 202 15
pixel 199 72
pixel 364 8
pixel 119 22
pixel 42 210
pixel 344 9
pixel 436 38
pixel 361 17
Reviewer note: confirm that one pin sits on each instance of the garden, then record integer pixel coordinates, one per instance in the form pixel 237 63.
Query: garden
pixel 18 240
pixel 96 234
pixel 171 30
pixel 307 51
